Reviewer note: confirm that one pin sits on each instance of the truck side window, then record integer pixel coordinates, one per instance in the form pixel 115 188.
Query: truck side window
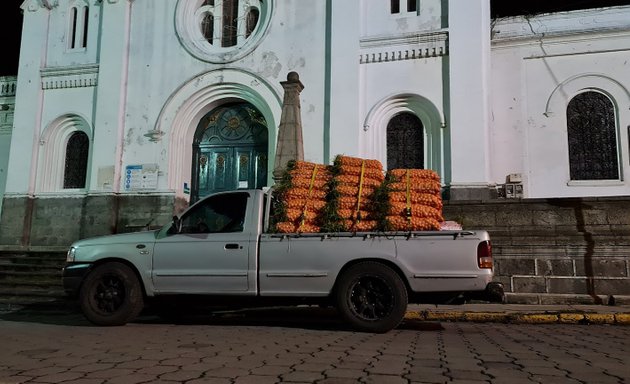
pixel 220 213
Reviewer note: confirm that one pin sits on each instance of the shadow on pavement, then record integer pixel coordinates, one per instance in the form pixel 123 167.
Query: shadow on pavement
pixel 302 317
pixel 64 312
pixel 57 312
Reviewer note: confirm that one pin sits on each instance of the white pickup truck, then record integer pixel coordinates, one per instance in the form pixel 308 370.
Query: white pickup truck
pixel 220 249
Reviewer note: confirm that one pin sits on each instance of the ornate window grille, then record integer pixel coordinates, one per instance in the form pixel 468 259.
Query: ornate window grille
pixel 75 171
pixel 592 135
pixel 405 142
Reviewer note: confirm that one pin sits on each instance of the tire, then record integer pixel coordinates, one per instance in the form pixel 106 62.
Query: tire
pixel 371 297
pixel 111 295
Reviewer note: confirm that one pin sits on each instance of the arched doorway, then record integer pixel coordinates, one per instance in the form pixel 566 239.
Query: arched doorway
pixel 405 142
pixel 229 150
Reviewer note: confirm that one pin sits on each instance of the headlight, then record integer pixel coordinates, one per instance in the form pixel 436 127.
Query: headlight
pixel 70 255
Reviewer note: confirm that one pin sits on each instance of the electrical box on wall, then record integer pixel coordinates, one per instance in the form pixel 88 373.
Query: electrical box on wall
pixel 515 178
pixel 513 187
pixel 513 190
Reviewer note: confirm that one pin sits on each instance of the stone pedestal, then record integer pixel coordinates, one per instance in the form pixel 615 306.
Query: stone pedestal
pixel 290 142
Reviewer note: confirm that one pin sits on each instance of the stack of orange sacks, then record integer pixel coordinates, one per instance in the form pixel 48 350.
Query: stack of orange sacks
pixel 415 202
pixel 355 182
pixel 305 198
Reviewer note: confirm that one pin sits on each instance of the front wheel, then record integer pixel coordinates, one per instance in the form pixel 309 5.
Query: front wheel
pixel 111 295
pixel 371 297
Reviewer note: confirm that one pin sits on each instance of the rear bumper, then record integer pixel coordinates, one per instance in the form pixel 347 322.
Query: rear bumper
pixel 72 277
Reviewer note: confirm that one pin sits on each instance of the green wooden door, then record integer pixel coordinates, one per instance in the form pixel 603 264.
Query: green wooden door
pixel 230 151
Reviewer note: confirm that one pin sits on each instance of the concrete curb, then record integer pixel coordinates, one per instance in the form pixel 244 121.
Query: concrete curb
pixel 521 318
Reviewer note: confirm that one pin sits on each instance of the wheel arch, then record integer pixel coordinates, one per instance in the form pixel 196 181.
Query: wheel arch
pixel 385 262
pixel 128 263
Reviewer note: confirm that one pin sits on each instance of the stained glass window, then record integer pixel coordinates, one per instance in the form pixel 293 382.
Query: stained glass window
pixel 75 170
pixel 592 135
pixel 405 142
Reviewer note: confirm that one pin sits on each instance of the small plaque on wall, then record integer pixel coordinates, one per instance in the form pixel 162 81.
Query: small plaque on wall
pixel 141 177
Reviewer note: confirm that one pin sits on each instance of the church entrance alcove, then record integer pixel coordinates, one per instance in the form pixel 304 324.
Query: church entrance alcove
pixel 405 142
pixel 229 150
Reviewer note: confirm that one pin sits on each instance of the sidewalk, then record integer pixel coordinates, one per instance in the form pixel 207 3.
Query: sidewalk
pixel 522 313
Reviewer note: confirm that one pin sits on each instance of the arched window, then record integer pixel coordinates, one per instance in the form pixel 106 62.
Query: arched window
pixel 252 20
pixel 75 170
pixel 78 34
pixel 405 142
pixel 412 6
pixel 592 135
pixel 230 23
pixel 207 27
pixel 73 27
pixel 395 6
pixel 86 14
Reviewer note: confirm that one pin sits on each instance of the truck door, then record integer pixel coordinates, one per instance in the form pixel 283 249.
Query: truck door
pixel 210 251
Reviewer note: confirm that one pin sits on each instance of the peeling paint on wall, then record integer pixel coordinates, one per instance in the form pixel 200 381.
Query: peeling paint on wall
pixel 270 65
pixel 294 64
pixel 129 136
pixel 402 25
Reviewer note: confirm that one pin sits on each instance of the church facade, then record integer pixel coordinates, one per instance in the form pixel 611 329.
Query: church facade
pixel 129 110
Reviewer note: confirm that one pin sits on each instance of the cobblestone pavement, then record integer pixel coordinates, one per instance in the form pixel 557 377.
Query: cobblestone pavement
pixel 305 346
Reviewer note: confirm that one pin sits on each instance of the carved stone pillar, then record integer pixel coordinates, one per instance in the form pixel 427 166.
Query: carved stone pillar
pixel 290 143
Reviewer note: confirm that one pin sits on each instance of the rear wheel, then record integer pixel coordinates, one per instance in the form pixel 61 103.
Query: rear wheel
pixel 371 297
pixel 111 295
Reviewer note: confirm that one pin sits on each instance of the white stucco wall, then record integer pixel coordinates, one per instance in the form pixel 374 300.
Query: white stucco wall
pixel 490 111
pixel 539 65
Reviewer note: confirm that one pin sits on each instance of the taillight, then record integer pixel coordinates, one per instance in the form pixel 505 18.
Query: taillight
pixel 484 255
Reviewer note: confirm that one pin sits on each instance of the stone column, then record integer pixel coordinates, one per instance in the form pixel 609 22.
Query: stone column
pixel 290 143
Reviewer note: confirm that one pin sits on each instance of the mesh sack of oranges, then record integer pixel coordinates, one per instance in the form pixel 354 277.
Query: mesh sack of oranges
pixel 301 197
pixel 414 201
pixel 354 183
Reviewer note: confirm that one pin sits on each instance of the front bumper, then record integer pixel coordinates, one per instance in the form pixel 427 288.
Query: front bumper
pixel 72 277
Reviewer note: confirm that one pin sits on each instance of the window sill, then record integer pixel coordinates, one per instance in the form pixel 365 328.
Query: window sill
pixel 595 183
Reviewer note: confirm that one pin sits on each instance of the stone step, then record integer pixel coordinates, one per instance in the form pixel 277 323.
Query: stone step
pixel 14 283
pixel 38 258
pixel 19 267
pixel 24 291
pixel 40 273
pixel 30 277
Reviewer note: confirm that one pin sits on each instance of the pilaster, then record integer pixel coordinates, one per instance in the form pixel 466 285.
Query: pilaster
pixel 469 78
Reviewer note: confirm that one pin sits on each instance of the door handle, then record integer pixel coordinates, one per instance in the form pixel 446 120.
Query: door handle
pixel 232 246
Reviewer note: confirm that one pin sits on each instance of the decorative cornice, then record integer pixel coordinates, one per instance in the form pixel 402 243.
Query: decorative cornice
pixel 8 84
pixel 70 77
pixel 6 129
pixel 580 25
pixel 376 49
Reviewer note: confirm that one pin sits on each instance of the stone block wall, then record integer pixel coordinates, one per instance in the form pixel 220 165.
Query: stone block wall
pixel 57 222
pixel 555 250
pixel 545 251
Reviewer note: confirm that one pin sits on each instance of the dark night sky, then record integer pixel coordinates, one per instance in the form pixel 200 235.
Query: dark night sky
pixel 11 32
pixel 11 24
